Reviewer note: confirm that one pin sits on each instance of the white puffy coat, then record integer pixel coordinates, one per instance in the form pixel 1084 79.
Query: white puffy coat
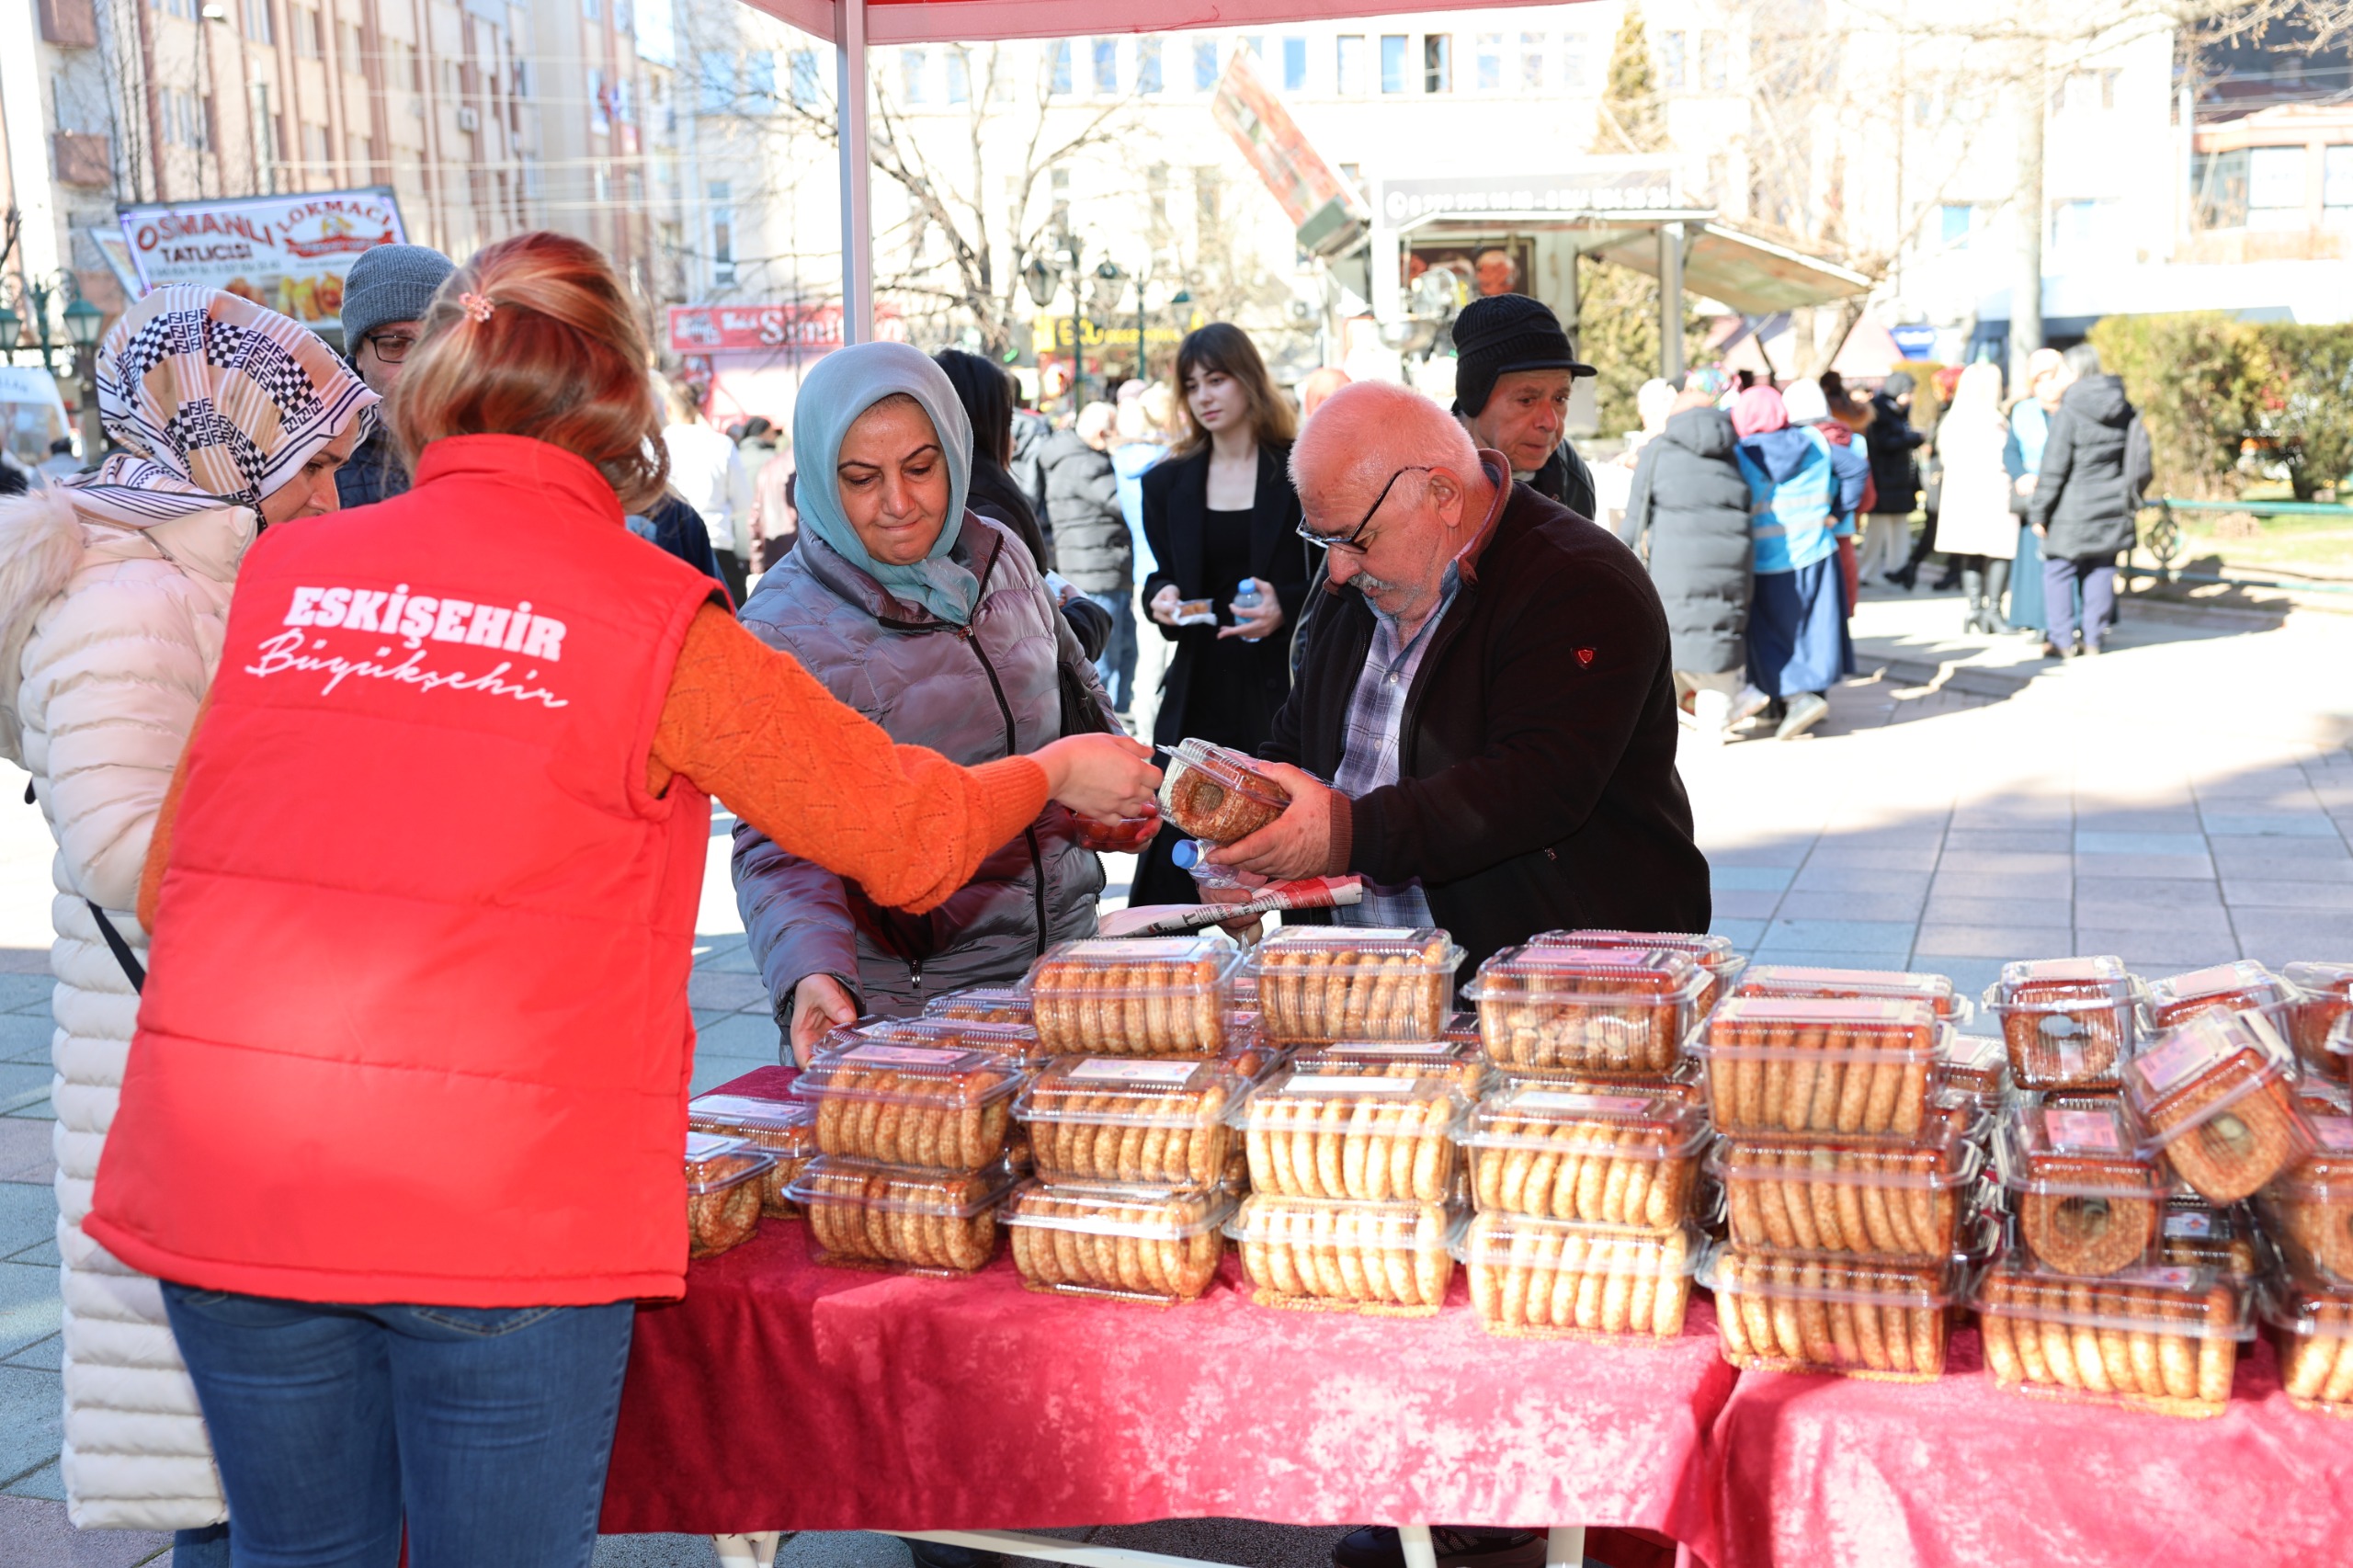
pixel 114 664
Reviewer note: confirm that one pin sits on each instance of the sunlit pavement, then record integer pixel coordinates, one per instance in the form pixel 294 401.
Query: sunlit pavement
pixel 2185 798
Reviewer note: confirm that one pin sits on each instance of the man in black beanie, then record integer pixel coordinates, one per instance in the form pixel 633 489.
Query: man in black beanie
pixel 1513 368
pixel 384 295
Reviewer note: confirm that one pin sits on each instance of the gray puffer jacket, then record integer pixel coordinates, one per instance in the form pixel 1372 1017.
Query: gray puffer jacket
pixel 973 695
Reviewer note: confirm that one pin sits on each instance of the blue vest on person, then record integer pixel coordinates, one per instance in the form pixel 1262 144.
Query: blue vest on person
pixel 1792 520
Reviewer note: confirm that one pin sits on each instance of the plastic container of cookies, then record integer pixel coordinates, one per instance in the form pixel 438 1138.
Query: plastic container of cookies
pixel 1321 983
pixel 2161 1338
pixel 2307 1208
pixel 1161 996
pixel 1867 1318
pixel 1113 1119
pixel 1786 1066
pixel 2316 1020
pixel 864 1214
pixel 1630 1158
pixel 1714 954
pixel 2087 1202
pixel 1366 1137
pixel 912 1105
pixel 2068 1022
pixel 1865 1200
pixel 2312 1324
pixel 1460 1060
pixel 722 1192
pixel 1125 1244
pixel 1217 795
pixel 983 1004
pixel 1977 1068
pixel 785 1128
pixel 2213 1098
pixel 1012 1042
pixel 1394 1259
pixel 1535 1279
pixel 1616 1011
pixel 1833 984
pixel 2194 1233
pixel 2237 986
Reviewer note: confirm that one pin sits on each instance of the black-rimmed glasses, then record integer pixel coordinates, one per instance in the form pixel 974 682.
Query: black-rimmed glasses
pixel 1354 536
pixel 392 347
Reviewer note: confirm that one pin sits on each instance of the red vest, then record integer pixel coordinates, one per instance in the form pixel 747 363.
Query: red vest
pixel 416 1028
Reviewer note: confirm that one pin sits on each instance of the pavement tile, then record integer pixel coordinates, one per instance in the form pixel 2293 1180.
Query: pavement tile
pixel 1832 853
pixel 2274 825
pixel 1961 843
pixel 2096 820
pixel 33 1419
pixel 1969 976
pixel 2201 920
pixel 2007 863
pixel 2088 842
pixel 2300 860
pixel 2198 894
pixel 2283 935
pixel 2059 885
pixel 25 991
pixel 1998 942
pixel 28 1306
pixel 25 1151
pixel 28 1213
pixel 732 993
pixel 1958 909
pixel 43 1355
pixel 1743 934
pixel 35 1533
pixel 1799 958
pixel 1740 904
pixel 42 1252
pixel 2282 893
pixel 1812 905
pixel 2156 954
pixel 1874 937
pixel 739 1036
pixel 26 1037
pixel 1726 878
pixel 1777 854
pixel 1819 878
pixel 2184 868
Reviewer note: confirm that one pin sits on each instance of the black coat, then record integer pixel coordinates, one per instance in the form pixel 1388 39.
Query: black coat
pixel 1091 543
pixel 1890 441
pixel 1564 478
pixel 1689 497
pixel 992 493
pixel 2094 469
pixel 1536 758
pixel 1175 508
pixel 373 472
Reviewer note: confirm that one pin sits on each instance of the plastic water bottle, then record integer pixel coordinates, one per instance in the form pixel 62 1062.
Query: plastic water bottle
pixel 1248 598
pixel 1188 854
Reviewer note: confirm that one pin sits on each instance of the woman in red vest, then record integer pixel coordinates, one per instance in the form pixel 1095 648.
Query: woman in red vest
pixel 402 1124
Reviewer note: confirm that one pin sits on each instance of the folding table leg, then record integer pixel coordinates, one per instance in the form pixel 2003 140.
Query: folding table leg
pixel 1565 1547
pixel 755 1551
pixel 1416 1542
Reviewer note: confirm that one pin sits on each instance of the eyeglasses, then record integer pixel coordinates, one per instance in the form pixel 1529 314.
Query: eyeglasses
pixel 1354 539
pixel 392 347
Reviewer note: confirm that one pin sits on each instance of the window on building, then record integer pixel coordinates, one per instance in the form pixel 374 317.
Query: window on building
pixel 1572 61
pixel 1256 43
pixel 759 85
pixel 1955 222
pixel 2274 187
pixel 803 69
pixel 1058 189
pixel 1347 60
pixel 1392 63
pixel 1105 55
pixel 1487 65
pixel 2088 90
pixel 1531 63
pixel 625 23
pixel 717 79
pixel 591 9
pixel 363 156
pixel 1204 65
pixel 315 150
pixel 723 233
pixel 1057 71
pixel 1148 79
pixel 915 70
pixel 184 9
pixel 310 38
pixel 2337 183
pixel 599 114
pixel 2078 226
pixel 2218 186
pixel 1715 71
pixel 346 44
pixel 1438 62
pixel 1294 65
pixel 257 17
pixel 959 75
pixel 265 134
pixel 1671 65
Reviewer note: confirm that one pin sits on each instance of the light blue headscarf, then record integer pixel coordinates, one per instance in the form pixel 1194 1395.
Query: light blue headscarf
pixel 845 384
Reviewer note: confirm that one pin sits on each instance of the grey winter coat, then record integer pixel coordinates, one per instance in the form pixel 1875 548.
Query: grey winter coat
pixel 1091 543
pixel 2094 469
pixel 973 696
pixel 1690 498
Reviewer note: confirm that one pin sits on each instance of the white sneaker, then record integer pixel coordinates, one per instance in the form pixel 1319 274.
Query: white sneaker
pixel 1711 717
pixel 1806 710
pixel 1747 705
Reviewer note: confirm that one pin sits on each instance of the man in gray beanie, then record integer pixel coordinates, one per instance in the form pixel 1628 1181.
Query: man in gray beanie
pixel 384 294
pixel 1514 365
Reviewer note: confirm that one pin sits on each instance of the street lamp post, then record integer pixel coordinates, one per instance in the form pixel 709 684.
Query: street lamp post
pixel 83 322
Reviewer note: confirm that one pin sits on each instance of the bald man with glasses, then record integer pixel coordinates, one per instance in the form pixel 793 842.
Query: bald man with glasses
pixel 1488 690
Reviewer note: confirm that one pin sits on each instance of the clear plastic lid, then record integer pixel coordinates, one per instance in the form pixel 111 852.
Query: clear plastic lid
pixel 2194 1303
pixel 2029 982
pixel 1523 1241
pixel 2068 1022
pixel 908 1074
pixel 1715 954
pixel 1136 997
pixel 1112 1091
pixel 1858 1281
pixel 1978 1065
pixel 2222 987
pixel 2077 1150
pixel 2325 1173
pixel 1357 1105
pixel 1009 1042
pixel 715 1163
pixel 1786 1065
pixel 1318 984
pixel 1352 1136
pixel 785 1128
pixel 1110 1210
pixel 1598 1010
pixel 1217 795
pixel 2305 1305
pixel 1792 980
pixel 1637 1126
pixel 1589 976
pixel 983 1004
pixel 1457 1059
pixel 2213 1096
pixel 1944 1166
pixel 2197 1234
pixel 901 1189
pixel 2320 980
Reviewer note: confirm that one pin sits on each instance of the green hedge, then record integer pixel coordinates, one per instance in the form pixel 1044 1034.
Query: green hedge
pixel 2225 398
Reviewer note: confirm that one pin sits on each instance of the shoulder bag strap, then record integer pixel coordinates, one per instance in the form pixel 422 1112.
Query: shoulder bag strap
pixel 132 966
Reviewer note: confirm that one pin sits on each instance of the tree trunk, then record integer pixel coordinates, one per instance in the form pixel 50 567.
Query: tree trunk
pixel 2026 290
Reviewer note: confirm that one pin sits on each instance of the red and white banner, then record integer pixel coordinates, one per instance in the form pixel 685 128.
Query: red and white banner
pixel 288 253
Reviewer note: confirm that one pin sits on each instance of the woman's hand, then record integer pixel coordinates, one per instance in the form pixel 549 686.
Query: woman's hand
pixel 1164 604
pixel 1103 777
pixel 1259 621
pixel 820 1003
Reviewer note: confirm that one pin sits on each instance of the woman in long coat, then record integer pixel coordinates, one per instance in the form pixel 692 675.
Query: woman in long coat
pixel 1975 524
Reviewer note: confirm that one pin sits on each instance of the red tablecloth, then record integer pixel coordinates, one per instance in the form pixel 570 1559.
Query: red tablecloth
pixel 1828 1472
pixel 779 1396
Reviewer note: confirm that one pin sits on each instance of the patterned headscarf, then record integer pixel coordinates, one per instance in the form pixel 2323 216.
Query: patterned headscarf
pixel 216 402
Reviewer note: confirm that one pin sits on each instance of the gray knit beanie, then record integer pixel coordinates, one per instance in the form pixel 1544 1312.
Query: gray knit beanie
pixel 390 283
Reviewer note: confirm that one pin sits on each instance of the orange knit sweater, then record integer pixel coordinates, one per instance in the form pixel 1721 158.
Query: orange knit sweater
pixel 757 731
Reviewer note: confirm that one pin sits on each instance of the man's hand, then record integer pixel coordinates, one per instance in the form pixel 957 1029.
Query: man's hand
pixel 1296 844
pixel 820 1003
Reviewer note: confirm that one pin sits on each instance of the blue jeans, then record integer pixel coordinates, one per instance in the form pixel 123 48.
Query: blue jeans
pixel 1116 668
pixel 484 1430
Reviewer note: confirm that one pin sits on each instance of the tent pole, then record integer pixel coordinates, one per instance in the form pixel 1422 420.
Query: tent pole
pixel 1670 300
pixel 858 206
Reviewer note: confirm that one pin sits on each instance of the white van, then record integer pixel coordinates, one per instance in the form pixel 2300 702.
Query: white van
pixel 31 414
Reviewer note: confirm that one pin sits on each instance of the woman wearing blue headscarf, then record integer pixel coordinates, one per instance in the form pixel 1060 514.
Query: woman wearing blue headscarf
pixel 935 623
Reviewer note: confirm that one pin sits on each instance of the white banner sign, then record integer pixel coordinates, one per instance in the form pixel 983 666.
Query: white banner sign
pixel 288 253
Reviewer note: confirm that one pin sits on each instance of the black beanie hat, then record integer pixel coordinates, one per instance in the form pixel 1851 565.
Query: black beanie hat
pixel 1503 332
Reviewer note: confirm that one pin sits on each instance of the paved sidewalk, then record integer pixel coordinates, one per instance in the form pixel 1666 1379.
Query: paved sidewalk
pixel 2185 798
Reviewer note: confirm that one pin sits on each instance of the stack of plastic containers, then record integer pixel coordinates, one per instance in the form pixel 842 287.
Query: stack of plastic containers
pixel 786 1129
pixel 1133 1161
pixel 1354 1173
pixel 722 1192
pixel 1585 1153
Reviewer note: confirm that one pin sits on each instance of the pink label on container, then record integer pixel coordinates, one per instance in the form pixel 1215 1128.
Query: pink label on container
pixel 2089 1130
pixel 1975 1050
pixel 1583 1105
pixel 900 1056
pixel 1345 1084
pixel 742 1105
pixel 1098 1070
pixel 1436 1050
pixel 2190 1224
pixel 2168 1278
pixel 2335 1132
pixel 2219 977
pixel 1798 1010
pixel 2179 1058
pixel 1585 957
pixel 2069 969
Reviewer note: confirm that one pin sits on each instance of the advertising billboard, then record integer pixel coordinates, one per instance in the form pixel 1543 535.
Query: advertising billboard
pixel 288 253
